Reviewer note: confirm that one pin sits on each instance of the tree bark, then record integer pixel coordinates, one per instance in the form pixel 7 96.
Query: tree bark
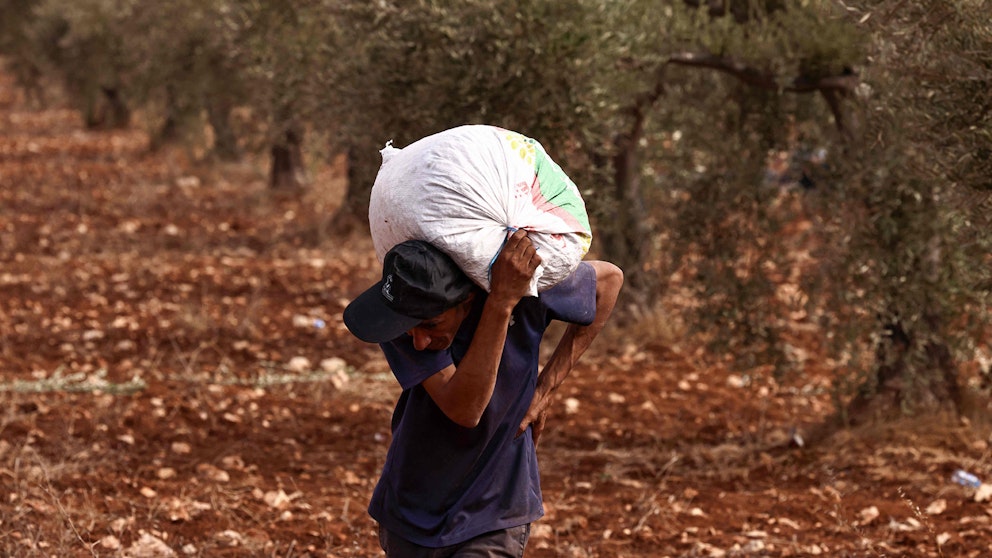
pixel 225 141
pixel 169 131
pixel 353 214
pixel 107 110
pixel 893 388
pixel 627 235
pixel 287 170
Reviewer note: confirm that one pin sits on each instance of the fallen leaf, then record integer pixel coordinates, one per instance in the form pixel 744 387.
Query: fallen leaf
pixel 736 381
pixel 333 364
pixel 149 546
pixel 165 473
pixel 278 499
pixel 868 515
pixel 210 472
pixel 181 448
pixel 110 542
pixel 937 507
pixel 233 462
pixel 571 406
pixel 789 523
pixel 299 364
pixel 983 493
pixel 910 524
pixel 229 537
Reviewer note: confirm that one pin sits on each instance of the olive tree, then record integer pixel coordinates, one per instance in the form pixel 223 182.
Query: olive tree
pixel 24 59
pixel 83 44
pixel 673 121
pixel 669 119
pixel 414 67
pixel 906 243
pixel 894 273
pixel 593 80
pixel 188 71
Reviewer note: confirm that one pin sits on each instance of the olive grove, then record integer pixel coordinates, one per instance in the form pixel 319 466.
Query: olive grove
pixel 819 161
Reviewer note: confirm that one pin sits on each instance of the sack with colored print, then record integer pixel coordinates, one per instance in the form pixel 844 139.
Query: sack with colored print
pixel 464 189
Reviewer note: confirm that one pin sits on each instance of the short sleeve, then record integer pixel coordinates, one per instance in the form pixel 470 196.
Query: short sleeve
pixel 410 366
pixel 574 298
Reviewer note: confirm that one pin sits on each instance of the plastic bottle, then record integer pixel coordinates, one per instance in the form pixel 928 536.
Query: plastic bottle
pixel 964 478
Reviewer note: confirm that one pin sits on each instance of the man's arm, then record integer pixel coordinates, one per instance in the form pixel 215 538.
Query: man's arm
pixel 463 393
pixel 574 342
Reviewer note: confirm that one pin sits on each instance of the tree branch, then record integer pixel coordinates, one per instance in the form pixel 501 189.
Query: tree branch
pixel 844 83
pixel 833 88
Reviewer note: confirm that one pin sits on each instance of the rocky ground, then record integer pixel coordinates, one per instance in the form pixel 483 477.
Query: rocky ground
pixel 175 380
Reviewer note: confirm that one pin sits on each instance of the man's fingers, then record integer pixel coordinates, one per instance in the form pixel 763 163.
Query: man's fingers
pixel 519 246
pixel 528 419
pixel 535 258
pixel 517 242
pixel 513 271
pixel 537 427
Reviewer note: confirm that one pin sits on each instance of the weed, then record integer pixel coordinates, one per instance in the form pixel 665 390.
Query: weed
pixel 75 383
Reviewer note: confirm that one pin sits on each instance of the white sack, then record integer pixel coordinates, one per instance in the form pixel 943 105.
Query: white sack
pixel 463 189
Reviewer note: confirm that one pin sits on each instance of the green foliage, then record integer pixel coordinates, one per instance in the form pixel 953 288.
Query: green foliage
pixel 84 43
pixel 812 39
pixel 667 117
pixel 286 47
pixel 188 62
pixel 955 72
pixel 412 68
pixel 16 43
pixel 418 67
pixel 906 244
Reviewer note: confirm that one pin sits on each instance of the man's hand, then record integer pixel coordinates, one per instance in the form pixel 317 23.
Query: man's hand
pixel 536 416
pixel 514 269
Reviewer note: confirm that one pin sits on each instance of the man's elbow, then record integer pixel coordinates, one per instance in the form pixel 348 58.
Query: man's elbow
pixel 465 420
pixel 617 279
pixel 465 411
pixel 609 277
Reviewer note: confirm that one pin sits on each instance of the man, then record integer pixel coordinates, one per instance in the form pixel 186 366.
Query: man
pixel 461 475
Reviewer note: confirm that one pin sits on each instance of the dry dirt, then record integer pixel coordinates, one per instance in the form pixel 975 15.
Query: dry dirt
pixel 167 391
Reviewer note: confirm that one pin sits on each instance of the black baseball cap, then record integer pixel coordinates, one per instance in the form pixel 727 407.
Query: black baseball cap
pixel 419 282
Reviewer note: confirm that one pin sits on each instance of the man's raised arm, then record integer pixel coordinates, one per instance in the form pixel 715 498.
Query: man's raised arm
pixel 574 342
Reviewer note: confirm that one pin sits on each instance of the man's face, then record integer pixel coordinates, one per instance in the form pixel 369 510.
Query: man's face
pixel 437 333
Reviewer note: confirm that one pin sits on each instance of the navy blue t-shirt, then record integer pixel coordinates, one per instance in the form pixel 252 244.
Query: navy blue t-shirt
pixel 443 484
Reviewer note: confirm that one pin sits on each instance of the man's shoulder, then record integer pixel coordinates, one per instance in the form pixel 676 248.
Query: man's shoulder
pixel 574 298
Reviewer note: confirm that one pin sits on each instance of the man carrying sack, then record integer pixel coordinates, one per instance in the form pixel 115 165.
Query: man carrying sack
pixel 461 475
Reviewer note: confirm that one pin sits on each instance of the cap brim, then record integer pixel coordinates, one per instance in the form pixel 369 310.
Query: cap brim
pixel 369 319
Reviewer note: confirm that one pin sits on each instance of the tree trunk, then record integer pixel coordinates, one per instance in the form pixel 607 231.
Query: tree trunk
pixel 119 113
pixel 898 386
pixel 287 170
pixel 169 131
pixel 629 233
pixel 107 110
pixel 353 214
pixel 225 141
